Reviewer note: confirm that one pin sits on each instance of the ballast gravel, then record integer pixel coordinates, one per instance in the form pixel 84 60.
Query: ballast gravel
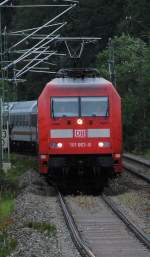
pixel 131 194
pixel 37 204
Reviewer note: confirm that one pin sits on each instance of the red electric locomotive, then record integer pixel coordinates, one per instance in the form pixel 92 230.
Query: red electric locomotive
pixel 79 126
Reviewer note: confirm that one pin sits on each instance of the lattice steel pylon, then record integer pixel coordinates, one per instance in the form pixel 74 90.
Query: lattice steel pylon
pixel 1 93
pixel 4 110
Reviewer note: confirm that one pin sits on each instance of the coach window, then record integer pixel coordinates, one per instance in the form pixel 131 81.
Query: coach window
pixel 12 117
pixel 94 106
pixel 22 120
pixel 15 120
pixel 18 120
pixel 33 120
pixel 26 121
pixel 64 107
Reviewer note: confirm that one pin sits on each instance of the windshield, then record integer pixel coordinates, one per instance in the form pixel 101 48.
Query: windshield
pixel 79 106
pixel 94 106
pixel 65 107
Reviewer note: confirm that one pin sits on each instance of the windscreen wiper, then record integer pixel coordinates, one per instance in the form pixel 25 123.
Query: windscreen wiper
pixel 52 109
pixel 107 111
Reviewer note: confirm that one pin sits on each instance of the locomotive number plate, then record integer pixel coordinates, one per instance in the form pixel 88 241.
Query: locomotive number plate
pixel 80 145
pixel 80 133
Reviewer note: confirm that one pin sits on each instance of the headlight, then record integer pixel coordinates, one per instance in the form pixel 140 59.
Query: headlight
pixel 80 122
pixel 43 156
pixel 101 144
pixel 59 145
pixel 104 144
pixel 56 145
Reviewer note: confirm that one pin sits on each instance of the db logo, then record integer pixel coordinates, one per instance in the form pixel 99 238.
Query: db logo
pixel 80 133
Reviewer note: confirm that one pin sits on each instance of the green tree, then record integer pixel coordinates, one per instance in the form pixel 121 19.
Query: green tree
pixel 132 62
pixel 136 18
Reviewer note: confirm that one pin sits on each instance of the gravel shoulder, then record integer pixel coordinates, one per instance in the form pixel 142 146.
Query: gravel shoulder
pixel 38 203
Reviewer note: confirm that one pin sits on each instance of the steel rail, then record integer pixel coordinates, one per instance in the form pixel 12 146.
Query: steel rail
pixel 133 170
pixel 13 79
pixel 35 52
pixel 33 6
pixel 76 237
pixel 4 2
pixel 49 63
pixel 40 68
pixel 72 1
pixel 28 60
pixel 41 36
pixel 137 159
pixel 25 30
pixel 144 177
pixel 136 230
pixel 38 5
pixel 25 50
pixel 42 71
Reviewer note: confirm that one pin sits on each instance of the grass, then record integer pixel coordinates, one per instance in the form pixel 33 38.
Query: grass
pixel 20 164
pixel 146 154
pixel 6 206
pixel 25 161
pixel 130 199
pixel 9 183
pixel 7 245
pixel 49 229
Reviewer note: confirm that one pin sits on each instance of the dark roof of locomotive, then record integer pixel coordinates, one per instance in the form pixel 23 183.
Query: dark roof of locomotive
pixel 79 83
pixel 77 73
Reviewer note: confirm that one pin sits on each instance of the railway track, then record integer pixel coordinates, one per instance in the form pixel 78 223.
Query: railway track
pixel 137 165
pixel 82 247
pixel 97 231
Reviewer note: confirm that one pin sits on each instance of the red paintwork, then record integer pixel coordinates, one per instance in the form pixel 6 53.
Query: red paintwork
pixel 45 122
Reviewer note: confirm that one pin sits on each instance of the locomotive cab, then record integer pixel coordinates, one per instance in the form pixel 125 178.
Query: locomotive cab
pixel 79 125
